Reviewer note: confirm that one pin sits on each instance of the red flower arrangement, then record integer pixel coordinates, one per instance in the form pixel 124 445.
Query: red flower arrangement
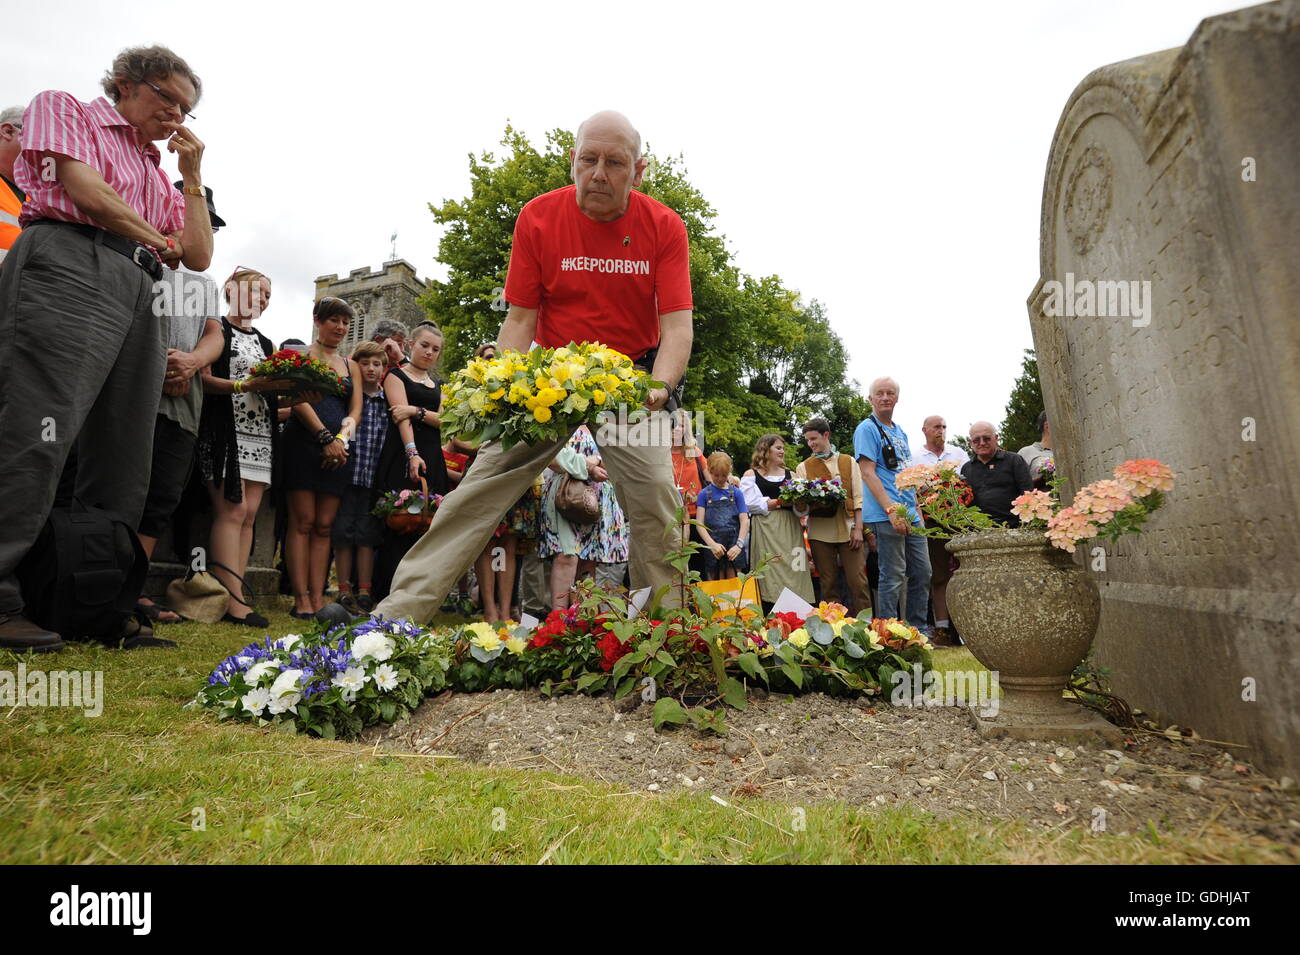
pixel 304 372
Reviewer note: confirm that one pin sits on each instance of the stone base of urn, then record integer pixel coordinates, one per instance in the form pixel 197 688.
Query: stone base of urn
pixel 1028 613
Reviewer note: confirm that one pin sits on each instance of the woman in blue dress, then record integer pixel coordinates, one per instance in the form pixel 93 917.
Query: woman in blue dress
pixel 315 458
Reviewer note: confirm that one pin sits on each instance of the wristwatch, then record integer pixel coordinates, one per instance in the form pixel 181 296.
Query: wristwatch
pixel 195 191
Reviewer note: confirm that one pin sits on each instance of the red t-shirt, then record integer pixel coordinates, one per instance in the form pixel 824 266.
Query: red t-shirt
pixel 606 282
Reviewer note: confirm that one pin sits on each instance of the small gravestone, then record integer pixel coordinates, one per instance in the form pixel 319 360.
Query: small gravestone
pixel 1167 325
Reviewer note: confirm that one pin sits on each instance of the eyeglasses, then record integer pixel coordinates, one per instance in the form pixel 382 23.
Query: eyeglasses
pixel 981 440
pixel 169 100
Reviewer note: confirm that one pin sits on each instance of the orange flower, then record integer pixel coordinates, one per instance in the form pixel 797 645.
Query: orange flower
pixel 1144 475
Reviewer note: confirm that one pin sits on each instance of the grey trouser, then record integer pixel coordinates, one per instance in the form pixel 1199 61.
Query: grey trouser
pixel 639 464
pixel 82 358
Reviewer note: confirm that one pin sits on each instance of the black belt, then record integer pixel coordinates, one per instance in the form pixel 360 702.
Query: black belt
pixel 141 255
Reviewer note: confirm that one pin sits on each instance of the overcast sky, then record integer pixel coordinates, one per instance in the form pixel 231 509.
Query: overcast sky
pixel 887 159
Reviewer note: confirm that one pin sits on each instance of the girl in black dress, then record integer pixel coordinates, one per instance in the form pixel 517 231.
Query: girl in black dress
pixel 413 446
pixel 315 459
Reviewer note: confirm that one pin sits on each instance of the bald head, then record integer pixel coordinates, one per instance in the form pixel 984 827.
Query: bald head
pixel 935 430
pixel 607 164
pixel 610 125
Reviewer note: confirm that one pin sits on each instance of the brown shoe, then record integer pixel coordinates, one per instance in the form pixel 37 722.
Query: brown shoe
pixel 19 633
pixel 943 637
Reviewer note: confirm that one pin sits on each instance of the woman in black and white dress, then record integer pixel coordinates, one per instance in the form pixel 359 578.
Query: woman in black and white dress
pixel 236 451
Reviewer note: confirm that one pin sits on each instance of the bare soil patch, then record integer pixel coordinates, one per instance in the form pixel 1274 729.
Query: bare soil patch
pixel 815 748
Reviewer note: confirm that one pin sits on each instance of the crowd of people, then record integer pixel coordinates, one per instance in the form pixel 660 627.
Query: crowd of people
pixel 143 396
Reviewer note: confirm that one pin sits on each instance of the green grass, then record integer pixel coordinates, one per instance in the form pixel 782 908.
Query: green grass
pixel 123 787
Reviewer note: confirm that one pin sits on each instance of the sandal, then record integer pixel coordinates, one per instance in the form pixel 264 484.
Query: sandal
pixel 138 634
pixel 155 611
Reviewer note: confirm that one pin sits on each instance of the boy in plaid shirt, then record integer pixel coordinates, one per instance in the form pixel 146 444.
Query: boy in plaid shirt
pixel 356 531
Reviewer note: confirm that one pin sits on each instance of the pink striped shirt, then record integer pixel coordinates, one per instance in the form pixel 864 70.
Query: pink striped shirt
pixel 98 135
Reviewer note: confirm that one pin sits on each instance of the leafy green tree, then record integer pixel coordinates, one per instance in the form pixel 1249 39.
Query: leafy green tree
pixel 761 361
pixel 1019 427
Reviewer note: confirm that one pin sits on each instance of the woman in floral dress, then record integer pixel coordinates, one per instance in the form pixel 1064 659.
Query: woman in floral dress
pixel 603 542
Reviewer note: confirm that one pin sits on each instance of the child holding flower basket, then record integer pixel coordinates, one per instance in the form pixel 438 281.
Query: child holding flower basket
pixel 413 445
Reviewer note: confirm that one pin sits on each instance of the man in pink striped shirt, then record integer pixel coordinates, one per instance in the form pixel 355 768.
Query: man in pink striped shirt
pixel 83 353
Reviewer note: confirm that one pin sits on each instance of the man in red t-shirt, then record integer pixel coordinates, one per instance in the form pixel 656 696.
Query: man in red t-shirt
pixel 593 262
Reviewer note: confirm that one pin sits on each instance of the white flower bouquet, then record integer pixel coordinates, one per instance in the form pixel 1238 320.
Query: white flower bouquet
pixel 332 684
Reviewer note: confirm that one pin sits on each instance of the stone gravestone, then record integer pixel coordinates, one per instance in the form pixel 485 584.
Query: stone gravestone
pixel 1167 325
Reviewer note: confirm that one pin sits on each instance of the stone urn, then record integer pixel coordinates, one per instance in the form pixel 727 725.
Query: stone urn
pixel 1029 614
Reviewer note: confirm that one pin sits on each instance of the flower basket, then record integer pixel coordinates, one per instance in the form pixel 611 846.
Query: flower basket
pixel 816 497
pixel 407 512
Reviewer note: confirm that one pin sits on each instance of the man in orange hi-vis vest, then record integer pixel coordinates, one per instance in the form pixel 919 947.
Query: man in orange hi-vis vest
pixel 11 197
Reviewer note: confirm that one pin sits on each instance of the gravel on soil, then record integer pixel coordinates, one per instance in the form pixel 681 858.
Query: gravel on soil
pixel 816 748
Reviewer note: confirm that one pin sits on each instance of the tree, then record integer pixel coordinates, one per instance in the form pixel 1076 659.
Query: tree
pixel 1020 426
pixel 761 360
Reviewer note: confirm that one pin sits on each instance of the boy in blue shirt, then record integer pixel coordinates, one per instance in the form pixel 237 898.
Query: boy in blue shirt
pixel 721 509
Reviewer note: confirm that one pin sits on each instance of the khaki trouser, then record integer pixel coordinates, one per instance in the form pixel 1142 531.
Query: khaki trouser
pixel 855 570
pixel 639 464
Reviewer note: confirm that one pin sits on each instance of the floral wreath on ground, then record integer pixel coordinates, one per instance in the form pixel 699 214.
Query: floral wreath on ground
pixel 691 664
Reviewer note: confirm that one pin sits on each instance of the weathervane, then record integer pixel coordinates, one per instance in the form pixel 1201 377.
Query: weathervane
pixel 393 239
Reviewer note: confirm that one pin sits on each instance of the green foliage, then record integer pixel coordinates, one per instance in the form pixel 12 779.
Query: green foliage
pixel 761 361
pixel 1019 427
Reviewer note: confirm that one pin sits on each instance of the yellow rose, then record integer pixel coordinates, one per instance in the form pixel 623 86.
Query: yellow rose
pixel 598 396
pixel 899 630
pixel 542 414
pixel 799 638
pixel 484 637
pixel 516 645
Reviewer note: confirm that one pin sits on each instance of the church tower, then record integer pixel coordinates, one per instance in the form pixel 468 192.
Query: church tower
pixel 393 292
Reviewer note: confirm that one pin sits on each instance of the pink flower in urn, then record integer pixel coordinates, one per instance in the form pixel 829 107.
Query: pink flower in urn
pixel 1144 475
pixel 916 476
pixel 1033 506
pixel 1069 526
pixel 1102 500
